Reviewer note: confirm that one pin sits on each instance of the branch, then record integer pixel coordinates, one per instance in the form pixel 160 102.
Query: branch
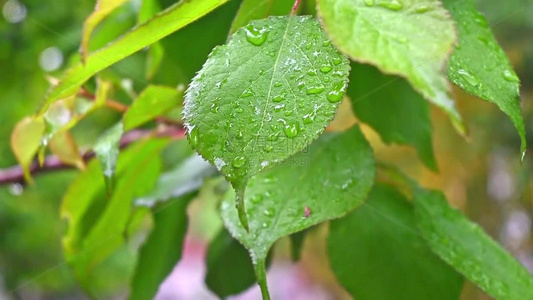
pixel 51 163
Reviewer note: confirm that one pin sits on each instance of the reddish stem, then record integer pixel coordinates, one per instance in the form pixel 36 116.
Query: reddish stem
pixel 295 7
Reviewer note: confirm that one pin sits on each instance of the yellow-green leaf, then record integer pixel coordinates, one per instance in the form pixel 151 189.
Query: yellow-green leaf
pixel 26 140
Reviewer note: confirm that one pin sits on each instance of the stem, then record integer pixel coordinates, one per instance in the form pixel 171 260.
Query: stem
pixel 260 274
pixel 239 204
pixel 295 7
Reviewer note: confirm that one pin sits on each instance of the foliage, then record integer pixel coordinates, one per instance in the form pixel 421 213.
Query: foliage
pixel 256 111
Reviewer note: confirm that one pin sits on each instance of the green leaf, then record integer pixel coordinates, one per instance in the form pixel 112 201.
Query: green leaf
pixel 378 246
pixel 186 177
pixel 264 96
pixel 391 106
pixel 101 10
pixel 163 24
pixel 406 38
pixel 328 181
pixel 466 247
pixel 64 146
pixel 156 52
pixel 254 10
pixel 153 101
pixel 479 66
pixel 97 225
pixel 25 142
pixel 163 248
pixel 107 149
pixel 229 269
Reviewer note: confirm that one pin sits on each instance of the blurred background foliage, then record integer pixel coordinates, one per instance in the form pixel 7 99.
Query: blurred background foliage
pixel 482 175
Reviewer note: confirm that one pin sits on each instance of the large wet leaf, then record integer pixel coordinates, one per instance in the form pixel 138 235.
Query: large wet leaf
pixel 253 10
pixel 264 96
pixel 466 247
pixel 479 66
pixel 408 38
pixel 161 25
pixel 378 246
pixel 163 248
pixel 391 106
pixel 314 186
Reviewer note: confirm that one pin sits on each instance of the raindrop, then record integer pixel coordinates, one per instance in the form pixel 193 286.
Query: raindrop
pixel 480 19
pixel 471 79
pixel 325 68
pixel 268 212
pixel 311 72
pixel 192 136
pixel 269 148
pixel 239 110
pixel 309 118
pixel 393 5
pixel 289 113
pixel 315 89
pixel 423 8
pixel 279 98
pixel 256 36
pixel 369 2
pixel 277 84
pixel 291 129
pixel 214 108
pixel 509 76
pixel 247 93
pixel 337 61
pixel 239 161
pixel 257 198
pixel 335 95
pixel 239 135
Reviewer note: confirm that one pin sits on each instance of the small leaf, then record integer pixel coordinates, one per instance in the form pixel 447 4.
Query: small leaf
pixel 407 38
pixel 163 24
pixel 325 183
pixel 377 252
pixel 254 10
pixel 163 248
pixel 64 146
pixel 103 88
pixel 186 177
pixel 264 96
pixel 25 142
pixel 391 107
pixel 153 101
pixel 107 149
pixel 229 269
pixel 479 66
pixel 471 251
pixel 101 10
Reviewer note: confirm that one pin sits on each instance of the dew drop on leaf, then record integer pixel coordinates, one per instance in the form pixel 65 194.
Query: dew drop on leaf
pixel 509 76
pixel 470 78
pixel 392 5
pixel 291 129
pixel 325 68
pixel 369 2
pixel 192 135
pixel 315 89
pixel 239 161
pixel 256 36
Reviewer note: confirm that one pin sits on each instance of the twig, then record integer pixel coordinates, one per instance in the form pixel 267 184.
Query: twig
pixel 51 163
pixel 295 7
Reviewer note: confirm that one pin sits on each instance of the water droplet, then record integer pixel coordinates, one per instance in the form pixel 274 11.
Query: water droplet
pixel 289 113
pixel 337 61
pixel 338 73
pixel 484 39
pixel 326 68
pixel 471 79
pixel 239 161
pixel 509 76
pixel 279 98
pixel 277 84
pixel 247 93
pixel 273 136
pixel 192 136
pixel 268 212
pixel 393 5
pixel 308 46
pixel 309 118
pixel 239 135
pixel 369 2
pixel 239 110
pixel 257 198
pixel 480 19
pixel 264 225
pixel 279 107
pixel 422 8
pixel 315 89
pixel 335 95
pixel 311 72
pixel 269 148
pixel 291 129
pixel 220 83
pixel 256 36
pixel 214 108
